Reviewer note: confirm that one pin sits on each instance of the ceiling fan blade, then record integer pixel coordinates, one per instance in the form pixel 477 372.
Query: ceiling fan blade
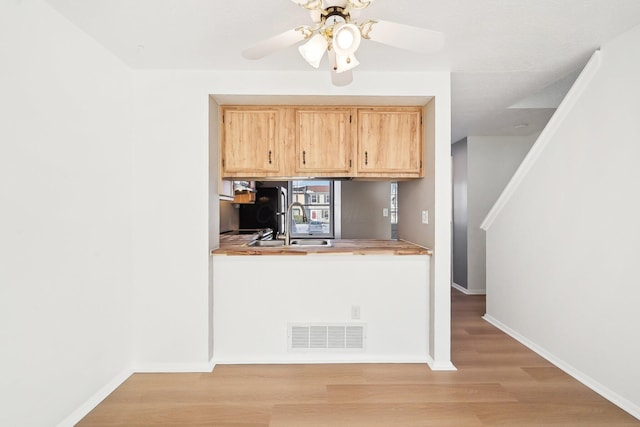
pixel 270 45
pixel 404 36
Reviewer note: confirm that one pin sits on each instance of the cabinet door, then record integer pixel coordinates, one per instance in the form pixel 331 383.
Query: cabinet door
pixel 323 141
pixel 249 144
pixel 390 142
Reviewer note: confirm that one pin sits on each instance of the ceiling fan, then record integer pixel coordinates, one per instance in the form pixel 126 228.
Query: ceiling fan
pixel 333 31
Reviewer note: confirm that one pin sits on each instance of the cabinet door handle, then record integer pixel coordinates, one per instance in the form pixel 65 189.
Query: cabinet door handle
pixel 366 158
pixel 304 157
pixel 269 156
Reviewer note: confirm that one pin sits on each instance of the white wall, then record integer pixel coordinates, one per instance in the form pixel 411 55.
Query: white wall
pixel 491 162
pixel 65 195
pixel 216 221
pixel 171 223
pixel 460 178
pixel 361 210
pixel 321 289
pixel 562 248
pixel 433 194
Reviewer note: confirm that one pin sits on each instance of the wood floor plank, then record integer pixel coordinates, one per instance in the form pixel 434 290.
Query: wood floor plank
pixel 373 415
pixel 271 392
pixel 418 393
pixel 551 414
pixel 547 374
pixel 165 414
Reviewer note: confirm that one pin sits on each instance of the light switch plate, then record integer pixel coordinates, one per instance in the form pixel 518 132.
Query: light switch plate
pixel 385 211
pixel 425 217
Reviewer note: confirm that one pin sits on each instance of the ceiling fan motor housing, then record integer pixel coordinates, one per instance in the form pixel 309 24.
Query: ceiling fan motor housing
pixel 335 14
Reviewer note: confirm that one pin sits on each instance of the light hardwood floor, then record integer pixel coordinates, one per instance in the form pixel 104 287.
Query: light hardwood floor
pixel 498 382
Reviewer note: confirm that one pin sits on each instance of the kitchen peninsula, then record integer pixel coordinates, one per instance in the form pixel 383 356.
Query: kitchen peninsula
pixel 371 300
pixel 356 301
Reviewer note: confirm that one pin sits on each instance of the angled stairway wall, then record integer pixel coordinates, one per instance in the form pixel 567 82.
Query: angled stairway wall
pixel 563 238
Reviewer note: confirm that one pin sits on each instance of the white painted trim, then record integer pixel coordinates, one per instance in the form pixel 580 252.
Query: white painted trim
pixel 564 109
pixel 594 385
pixel 468 291
pixel 321 360
pixel 434 366
pixel 174 367
pixel 440 366
pixel 94 400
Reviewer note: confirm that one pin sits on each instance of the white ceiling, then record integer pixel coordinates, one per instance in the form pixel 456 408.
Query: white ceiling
pixel 501 53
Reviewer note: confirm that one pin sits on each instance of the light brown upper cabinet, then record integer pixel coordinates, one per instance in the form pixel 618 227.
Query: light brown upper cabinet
pixel 324 140
pixel 390 142
pixel 251 144
pixel 280 142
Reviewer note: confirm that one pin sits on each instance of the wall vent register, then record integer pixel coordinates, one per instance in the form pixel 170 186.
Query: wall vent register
pixel 324 337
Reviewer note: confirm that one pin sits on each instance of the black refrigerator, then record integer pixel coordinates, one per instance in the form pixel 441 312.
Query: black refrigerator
pixel 266 212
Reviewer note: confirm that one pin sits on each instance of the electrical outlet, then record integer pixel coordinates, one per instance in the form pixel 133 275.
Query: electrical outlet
pixel 355 312
pixel 385 211
pixel 425 217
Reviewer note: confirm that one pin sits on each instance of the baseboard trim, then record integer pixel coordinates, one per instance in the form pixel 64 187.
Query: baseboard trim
pixel 109 388
pixel 594 385
pixel 174 367
pixel 440 366
pixel 88 406
pixel 239 361
pixel 468 291
pixel 433 365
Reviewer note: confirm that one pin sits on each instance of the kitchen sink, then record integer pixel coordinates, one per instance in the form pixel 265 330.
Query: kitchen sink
pixel 266 243
pixel 300 243
pixel 311 242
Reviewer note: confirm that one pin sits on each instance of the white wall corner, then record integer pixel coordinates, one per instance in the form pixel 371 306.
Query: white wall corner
pixel 468 291
pixel 95 400
pixel 564 109
pixel 112 385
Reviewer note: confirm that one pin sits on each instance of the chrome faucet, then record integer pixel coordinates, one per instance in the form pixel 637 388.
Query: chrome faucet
pixel 287 234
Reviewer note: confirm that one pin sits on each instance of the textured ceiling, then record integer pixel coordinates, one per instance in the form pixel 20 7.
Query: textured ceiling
pixel 500 52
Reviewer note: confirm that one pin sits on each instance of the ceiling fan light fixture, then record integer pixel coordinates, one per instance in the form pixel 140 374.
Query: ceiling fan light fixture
pixel 346 39
pixel 334 31
pixel 345 62
pixel 313 50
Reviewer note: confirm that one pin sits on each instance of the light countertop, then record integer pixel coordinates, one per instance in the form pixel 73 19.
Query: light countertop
pixel 237 245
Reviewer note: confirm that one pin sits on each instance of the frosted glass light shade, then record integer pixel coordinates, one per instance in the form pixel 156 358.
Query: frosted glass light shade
pixel 345 62
pixel 313 50
pixel 346 39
